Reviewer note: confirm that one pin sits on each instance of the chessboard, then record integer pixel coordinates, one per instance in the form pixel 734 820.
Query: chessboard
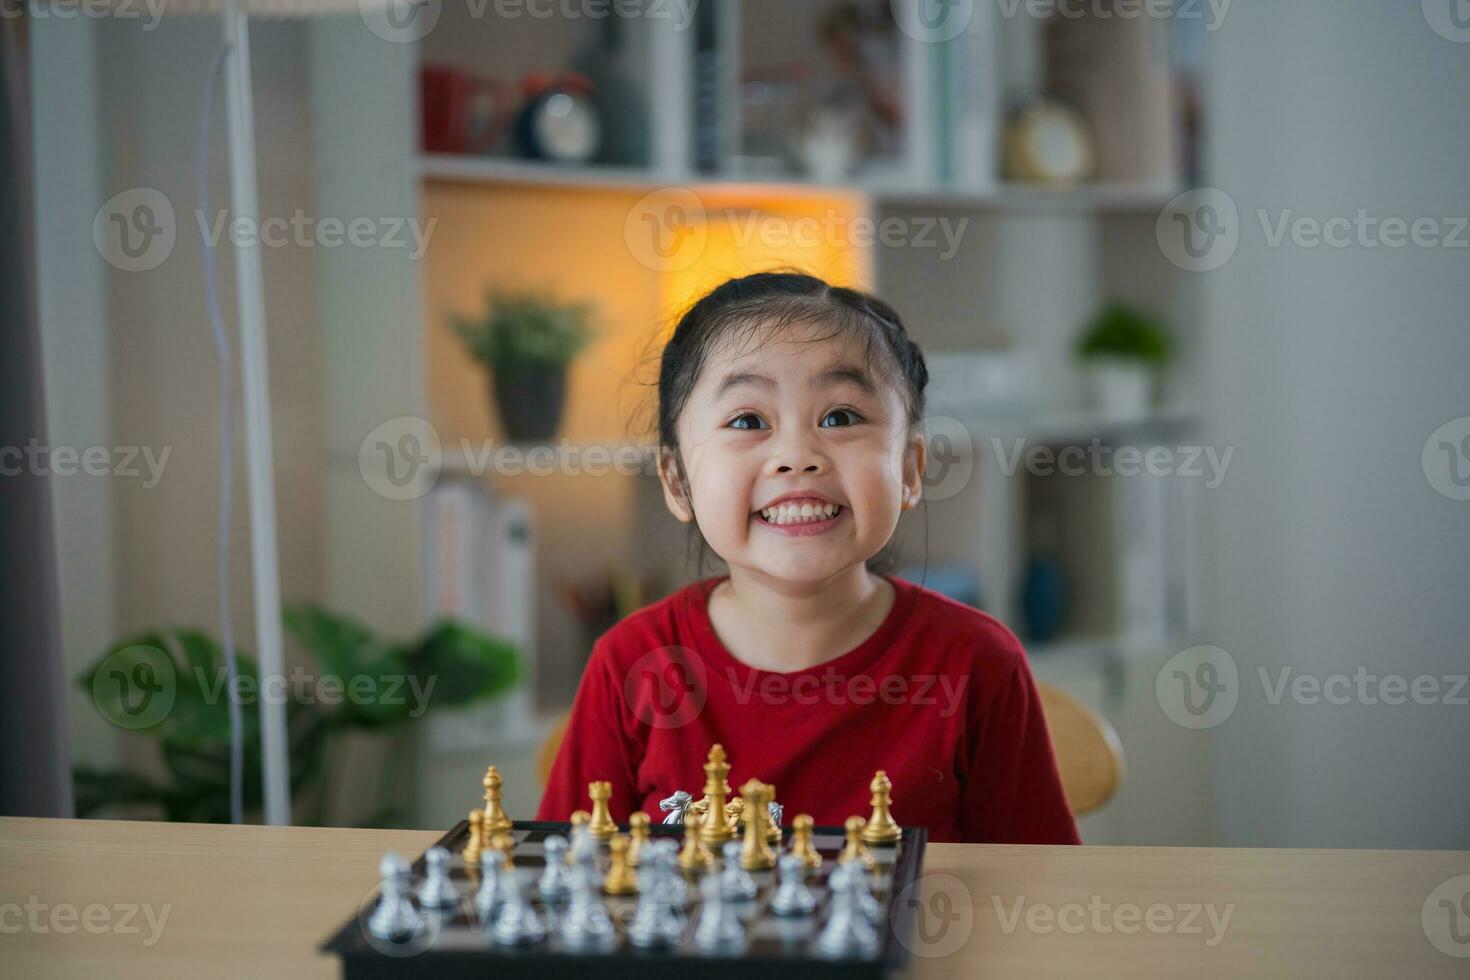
pixel 457 941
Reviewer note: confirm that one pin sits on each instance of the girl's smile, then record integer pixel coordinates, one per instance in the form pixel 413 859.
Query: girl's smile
pixel 800 515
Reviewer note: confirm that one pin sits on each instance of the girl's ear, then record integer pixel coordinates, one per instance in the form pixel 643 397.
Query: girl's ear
pixel 915 461
pixel 668 478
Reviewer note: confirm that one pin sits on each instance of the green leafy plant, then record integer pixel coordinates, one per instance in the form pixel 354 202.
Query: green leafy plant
pixel 1120 331
pixel 359 683
pixel 525 332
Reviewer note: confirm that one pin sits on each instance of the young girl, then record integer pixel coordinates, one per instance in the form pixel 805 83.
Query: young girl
pixel 789 434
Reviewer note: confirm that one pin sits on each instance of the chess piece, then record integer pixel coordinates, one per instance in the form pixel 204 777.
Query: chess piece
pixel 720 929
pixel 496 820
pixel 487 897
pixel 793 897
pixel 437 891
pixel 676 889
pixel 881 828
pixel 848 931
pixel 499 851
pixel 657 921
pixel 856 850
pixel 582 842
pixel 801 842
pixel 862 894
pixel 601 826
pixel 773 823
pixel 620 880
pixel 755 850
pixel 713 829
pixel 555 880
pixel 637 837
pixel 675 805
pixel 476 843
pixel 695 856
pixel 586 925
pixel 395 919
pixel 516 923
pixel 736 884
pixel 735 816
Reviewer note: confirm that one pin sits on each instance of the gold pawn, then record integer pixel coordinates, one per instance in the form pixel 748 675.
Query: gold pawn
pixel 476 843
pixel 755 852
pixel 773 829
pixel 856 850
pixel 694 856
pixel 496 819
pixel 801 842
pixel 501 845
pixel 619 880
pixel 715 829
pixel 881 828
pixel 602 825
pixel 638 836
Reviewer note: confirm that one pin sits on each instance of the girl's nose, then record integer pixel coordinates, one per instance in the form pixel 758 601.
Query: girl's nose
pixel 797 455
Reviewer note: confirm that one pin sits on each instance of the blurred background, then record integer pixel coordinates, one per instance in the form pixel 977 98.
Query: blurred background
pixel 1191 278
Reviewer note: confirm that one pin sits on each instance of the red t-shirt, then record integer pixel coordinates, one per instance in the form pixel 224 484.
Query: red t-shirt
pixel 940 696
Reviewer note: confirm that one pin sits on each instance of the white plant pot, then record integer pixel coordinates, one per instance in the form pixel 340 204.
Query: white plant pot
pixel 1122 390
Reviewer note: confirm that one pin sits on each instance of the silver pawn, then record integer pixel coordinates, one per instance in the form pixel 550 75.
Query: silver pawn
pixel 656 922
pixel 736 883
pixel 720 929
pixel 793 897
pixel 586 924
pixel 395 919
pixel 582 844
pixel 556 879
pixel 848 931
pixel 862 893
pixel 517 922
pixel 487 899
pixel 437 891
pixel 676 887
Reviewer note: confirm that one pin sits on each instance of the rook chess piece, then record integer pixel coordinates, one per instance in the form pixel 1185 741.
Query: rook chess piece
pixel 793 897
pixel 476 843
pixel 555 879
pixel 695 856
pixel 720 929
pixel 620 880
pixel 881 828
pixel 856 850
pixel 736 884
pixel 496 820
pixel 437 891
pixel 601 826
pixel 637 837
pixel 755 850
pixel 801 842
pixel 395 919
pixel 713 829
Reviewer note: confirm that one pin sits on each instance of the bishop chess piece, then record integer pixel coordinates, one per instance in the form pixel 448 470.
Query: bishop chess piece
pixel 437 891
pixel 395 919
pixel 638 836
pixel 793 897
pixel 736 884
pixel 720 929
pixel 855 850
pixel 695 855
pixel 601 826
pixel 586 924
pixel 516 922
pixel 620 879
pixel 848 931
pixel 714 829
pixel 657 922
pixel 755 847
pixel 476 843
pixel 881 828
pixel 496 819
pixel 556 878
pixel 801 842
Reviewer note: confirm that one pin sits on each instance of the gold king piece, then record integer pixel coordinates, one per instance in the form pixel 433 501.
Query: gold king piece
pixel 881 828
pixel 496 820
pixel 755 848
pixel 602 826
pixel 713 829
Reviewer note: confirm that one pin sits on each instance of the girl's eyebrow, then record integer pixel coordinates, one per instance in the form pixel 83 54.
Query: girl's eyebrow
pixel 840 374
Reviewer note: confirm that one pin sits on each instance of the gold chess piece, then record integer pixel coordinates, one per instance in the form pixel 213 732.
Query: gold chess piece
pixel 500 847
pixel 755 851
pixel 881 828
pixel 694 856
pixel 773 829
pixel 734 816
pixel 856 850
pixel 638 836
pixel 602 825
pixel 619 880
pixel 714 829
pixel 496 820
pixel 801 842
pixel 476 843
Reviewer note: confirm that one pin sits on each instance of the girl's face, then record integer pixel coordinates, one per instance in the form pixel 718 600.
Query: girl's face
pixel 799 458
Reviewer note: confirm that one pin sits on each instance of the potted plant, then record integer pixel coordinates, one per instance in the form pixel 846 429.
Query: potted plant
pixel 1122 350
pixel 527 339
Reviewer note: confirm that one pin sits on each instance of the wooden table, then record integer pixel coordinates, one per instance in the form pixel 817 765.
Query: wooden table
pixel 255 902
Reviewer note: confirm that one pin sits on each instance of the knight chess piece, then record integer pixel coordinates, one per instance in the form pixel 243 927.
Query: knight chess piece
pixel 793 897
pixel 620 879
pixel 720 929
pixel 755 848
pixel 638 836
pixel 437 891
pixel 855 850
pixel 736 884
pixel 713 828
pixel 496 819
pixel 881 828
pixel 602 825
pixel 476 842
pixel 555 880
pixel 695 855
pixel 675 806
pixel 801 842
pixel 773 818
pixel 395 919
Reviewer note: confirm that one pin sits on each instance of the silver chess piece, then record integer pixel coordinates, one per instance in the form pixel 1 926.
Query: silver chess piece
pixel 848 931
pixel 674 884
pixel 793 897
pixel 862 893
pixel 395 919
pixel 437 891
pixel 675 806
pixel 516 923
pixel 720 929
pixel 487 898
pixel 583 845
pixel 775 810
pixel 555 881
pixel 736 883
pixel 657 921
pixel 586 924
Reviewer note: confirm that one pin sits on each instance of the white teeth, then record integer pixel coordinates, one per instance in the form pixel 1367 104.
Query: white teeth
pixel 804 513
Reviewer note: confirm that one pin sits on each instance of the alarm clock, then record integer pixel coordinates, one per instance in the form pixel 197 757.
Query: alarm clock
pixel 1048 142
pixel 559 121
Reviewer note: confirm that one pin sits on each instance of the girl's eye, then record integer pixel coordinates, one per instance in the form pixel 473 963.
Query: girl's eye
pixel 747 421
pixel 839 417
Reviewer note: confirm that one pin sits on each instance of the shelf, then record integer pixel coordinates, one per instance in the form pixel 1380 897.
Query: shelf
pixel 529 173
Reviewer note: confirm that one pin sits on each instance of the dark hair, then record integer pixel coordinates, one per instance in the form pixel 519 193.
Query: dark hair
pixel 769 302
